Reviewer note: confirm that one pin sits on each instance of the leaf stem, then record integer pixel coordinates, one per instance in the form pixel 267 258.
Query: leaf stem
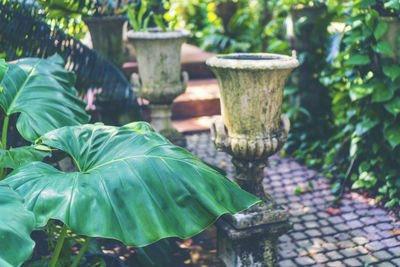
pixel 81 252
pixel 4 132
pixel 59 245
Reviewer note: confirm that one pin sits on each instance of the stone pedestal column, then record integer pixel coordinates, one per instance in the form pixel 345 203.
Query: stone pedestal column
pixel 251 129
pixel 160 79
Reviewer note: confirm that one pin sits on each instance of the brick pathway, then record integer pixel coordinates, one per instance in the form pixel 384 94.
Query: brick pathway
pixel 357 233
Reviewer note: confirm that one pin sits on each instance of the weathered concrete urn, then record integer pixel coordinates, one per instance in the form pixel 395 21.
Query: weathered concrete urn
pixel 160 79
pixel 251 128
pixel 106 34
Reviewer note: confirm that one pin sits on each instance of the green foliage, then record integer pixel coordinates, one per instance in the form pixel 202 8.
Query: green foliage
pixel 227 26
pixel 14 157
pixel 16 225
pixel 132 184
pixel 364 80
pixel 113 162
pixel 42 91
pixel 298 190
pixel 307 100
pixel 140 13
pixel 136 19
pixel 3 70
pixel 76 8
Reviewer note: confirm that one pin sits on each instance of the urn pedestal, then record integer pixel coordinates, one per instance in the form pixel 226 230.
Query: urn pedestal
pixel 251 129
pixel 160 79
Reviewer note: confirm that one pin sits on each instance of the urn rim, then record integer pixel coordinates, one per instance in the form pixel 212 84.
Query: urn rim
pixel 107 18
pixel 252 61
pixel 157 33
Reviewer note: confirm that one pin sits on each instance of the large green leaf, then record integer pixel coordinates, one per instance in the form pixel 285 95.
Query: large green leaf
pixel 383 47
pixel 380 29
pixel 382 92
pixel 3 70
pixel 392 71
pixel 133 185
pixel 16 225
pixel 393 106
pixel 359 91
pixel 42 91
pixel 14 157
pixel 392 134
pixel 357 59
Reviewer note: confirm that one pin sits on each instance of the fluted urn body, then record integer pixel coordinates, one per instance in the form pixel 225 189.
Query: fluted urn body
pixel 160 79
pixel 251 127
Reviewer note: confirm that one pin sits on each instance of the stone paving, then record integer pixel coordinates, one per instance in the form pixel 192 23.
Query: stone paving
pixel 355 233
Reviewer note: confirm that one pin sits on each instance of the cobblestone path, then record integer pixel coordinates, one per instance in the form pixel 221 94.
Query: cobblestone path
pixel 356 233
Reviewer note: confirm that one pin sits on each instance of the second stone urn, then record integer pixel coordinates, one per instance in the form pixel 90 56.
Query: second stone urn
pixel 250 129
pixel 106 34
pixel 160 79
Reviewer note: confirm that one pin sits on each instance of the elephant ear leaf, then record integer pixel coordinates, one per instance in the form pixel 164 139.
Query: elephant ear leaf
pixel 43 92
pixel 3 70
pixel 133 185
pixel 15 157
pixel 16 225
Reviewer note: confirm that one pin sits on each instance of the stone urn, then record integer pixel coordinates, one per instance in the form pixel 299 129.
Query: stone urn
pixel 106 34
pixel 298 40
pixel 250 129
pixel 160 79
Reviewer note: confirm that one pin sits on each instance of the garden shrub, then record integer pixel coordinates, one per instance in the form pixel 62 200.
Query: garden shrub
pixel 227 26
pixel 364 81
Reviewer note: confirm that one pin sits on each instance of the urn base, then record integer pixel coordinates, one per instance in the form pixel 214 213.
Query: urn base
pixel 161 122
pixel 174 136
pixel 250 238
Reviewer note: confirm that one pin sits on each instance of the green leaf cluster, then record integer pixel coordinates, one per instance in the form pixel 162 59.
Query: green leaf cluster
pixel 359 68
pixel 140 15
pixel 232 26
pixel 131 183
pixel 366 81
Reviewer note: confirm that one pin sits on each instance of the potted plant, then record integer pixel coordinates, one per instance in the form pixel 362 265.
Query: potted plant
pixel 131 183
pixel 159 61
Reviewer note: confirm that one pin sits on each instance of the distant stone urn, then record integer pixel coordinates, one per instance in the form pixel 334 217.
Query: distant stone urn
pixel 160 79
pixel 106 34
